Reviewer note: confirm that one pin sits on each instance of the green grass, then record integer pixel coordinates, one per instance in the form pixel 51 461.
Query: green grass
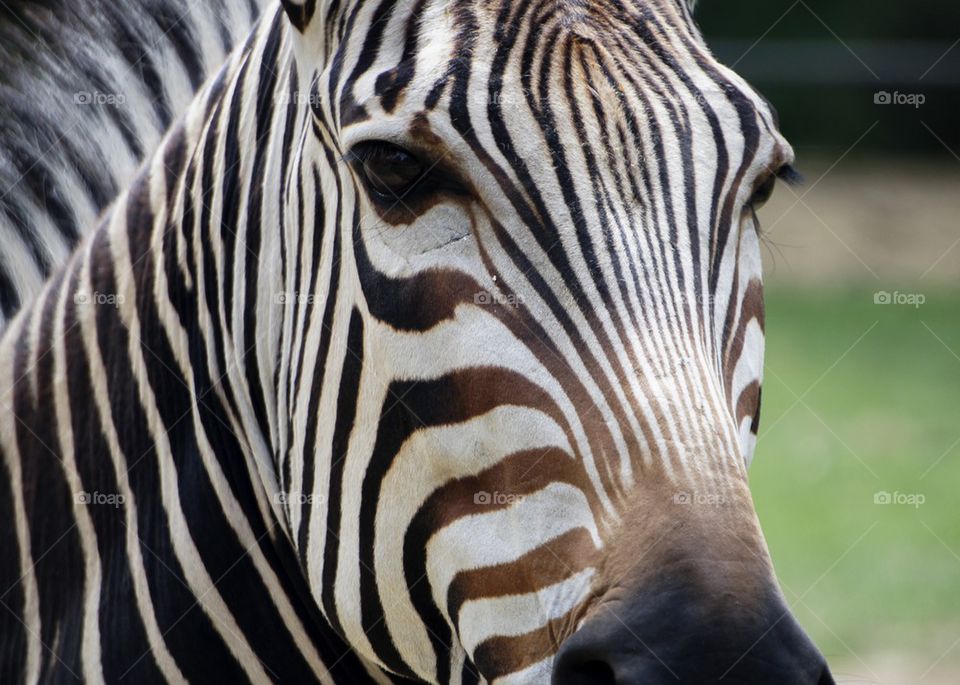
pixel 879 410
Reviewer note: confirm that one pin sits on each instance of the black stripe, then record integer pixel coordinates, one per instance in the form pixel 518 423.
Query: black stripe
pixel 391 84
pixel 343 427
pixel 300 14
pixel 9 297
pixel 232 186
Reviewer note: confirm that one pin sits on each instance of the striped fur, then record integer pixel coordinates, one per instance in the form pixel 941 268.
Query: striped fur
pixel 349 439
pixel 87 89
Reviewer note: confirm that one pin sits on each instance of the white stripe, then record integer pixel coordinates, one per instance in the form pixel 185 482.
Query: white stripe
pixel 516 615
pixel 28 580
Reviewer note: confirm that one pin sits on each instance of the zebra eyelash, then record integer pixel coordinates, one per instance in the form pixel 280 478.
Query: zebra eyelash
pixel 367 150
pixel 790 175
pixel 763 192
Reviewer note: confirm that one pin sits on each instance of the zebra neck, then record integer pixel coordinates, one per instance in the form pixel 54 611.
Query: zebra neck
pixel 142 542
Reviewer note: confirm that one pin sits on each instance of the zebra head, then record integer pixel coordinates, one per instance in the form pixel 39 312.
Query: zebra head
pixel 527 286
pixel 428 345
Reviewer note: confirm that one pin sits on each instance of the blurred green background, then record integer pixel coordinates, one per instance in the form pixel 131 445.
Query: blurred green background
pixel 862 388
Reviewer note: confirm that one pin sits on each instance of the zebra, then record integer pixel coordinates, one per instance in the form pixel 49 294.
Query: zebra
pixel 427 347
pixel 87 89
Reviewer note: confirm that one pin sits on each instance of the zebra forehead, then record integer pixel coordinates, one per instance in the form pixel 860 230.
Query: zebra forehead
pixel 432 17
pixel 417 43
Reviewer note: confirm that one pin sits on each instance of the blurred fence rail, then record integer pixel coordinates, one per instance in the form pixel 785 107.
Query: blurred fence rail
pixel 850 63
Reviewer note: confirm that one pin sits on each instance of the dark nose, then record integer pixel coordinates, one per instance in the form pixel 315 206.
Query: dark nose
pixel 670 636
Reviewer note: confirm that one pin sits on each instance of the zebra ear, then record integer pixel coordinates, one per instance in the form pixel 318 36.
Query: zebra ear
pixel 300 12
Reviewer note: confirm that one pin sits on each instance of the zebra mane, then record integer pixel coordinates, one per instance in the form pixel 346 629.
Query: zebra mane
pixel 87 89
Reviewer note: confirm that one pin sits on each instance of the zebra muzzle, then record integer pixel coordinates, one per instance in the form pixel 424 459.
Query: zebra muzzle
pixel 690 597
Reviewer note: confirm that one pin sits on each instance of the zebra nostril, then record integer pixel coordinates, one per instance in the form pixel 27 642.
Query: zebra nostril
pixel 666 637
pixel 592 656
pixel 587 672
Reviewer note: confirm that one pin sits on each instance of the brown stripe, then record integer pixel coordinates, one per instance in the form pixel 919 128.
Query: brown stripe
pixel 549 564
pixel 499 656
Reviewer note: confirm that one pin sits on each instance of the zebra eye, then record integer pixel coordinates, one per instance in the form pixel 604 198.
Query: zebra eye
pixel 389 170
pixel 763 192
